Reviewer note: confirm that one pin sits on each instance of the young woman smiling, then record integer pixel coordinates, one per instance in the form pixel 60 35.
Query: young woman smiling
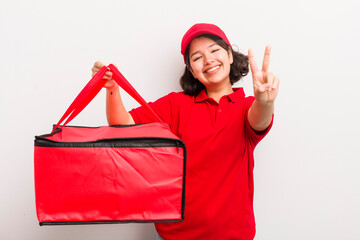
pixel 210 65
pixel 220 127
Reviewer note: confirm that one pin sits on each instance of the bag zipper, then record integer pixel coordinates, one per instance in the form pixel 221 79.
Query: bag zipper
pixel 114 142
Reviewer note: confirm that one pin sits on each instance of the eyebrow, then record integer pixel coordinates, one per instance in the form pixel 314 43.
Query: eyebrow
pixel 198 51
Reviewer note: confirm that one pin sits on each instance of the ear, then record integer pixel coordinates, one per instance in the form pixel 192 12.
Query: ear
pixel 190 69
pixel 231 58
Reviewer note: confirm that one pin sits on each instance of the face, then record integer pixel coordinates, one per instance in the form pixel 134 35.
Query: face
pixel 210 63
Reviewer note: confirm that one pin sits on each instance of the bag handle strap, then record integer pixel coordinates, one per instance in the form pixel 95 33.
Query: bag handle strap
pixel 93 87
pixel 124 84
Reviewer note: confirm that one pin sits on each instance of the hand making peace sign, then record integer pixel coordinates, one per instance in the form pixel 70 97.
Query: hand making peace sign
pixel 266 84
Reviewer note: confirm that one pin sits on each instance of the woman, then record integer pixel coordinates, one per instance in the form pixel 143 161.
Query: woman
pixel 220 127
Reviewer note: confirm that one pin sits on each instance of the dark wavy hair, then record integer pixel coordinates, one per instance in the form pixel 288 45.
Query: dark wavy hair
pixel 238 69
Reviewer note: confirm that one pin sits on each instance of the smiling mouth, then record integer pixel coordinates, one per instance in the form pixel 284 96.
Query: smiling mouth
pixel 212 69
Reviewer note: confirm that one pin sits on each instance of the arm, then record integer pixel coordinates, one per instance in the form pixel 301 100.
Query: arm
pixel 266 87
pixel 260 115
pixel 115 110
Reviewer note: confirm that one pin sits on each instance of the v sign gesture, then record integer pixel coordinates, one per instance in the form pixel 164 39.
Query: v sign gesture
pixel 266 84
pixel 266 87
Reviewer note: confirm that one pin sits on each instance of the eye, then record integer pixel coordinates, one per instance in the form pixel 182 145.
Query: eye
pixel 197 58
pixel 215 50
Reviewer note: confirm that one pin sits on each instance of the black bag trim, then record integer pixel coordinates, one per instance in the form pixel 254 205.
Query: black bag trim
pixel 108 222
pixel 141 142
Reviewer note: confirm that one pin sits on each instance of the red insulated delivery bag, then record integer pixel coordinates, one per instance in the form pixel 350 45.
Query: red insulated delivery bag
pixel 109 174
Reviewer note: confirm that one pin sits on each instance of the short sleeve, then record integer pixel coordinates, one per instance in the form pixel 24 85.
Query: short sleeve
pixel 254 136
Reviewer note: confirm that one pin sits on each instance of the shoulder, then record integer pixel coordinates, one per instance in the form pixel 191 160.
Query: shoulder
pixel 239 97
pixel 177 97
pixel 249 99
pixel 180 95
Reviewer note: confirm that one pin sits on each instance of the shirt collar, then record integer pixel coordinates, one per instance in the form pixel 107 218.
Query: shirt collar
pixel 237 95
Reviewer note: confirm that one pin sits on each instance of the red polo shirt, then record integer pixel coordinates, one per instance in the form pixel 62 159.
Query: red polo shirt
pixel 219 173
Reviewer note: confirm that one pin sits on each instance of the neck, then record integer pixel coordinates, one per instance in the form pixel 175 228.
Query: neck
pixel 217 93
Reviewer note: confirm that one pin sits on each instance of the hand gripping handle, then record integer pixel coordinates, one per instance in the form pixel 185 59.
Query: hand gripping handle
pixel 93 87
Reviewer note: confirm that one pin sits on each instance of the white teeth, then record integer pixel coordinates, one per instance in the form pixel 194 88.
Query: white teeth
pixel 213 69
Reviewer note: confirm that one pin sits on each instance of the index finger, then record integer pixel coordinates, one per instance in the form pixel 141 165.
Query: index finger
pixel 266 61
pixel 98 64
pixel 252 61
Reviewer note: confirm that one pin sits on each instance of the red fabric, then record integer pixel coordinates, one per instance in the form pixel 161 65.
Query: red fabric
pixel 83 134
pixel 200 29
pixel 219 180
pixel 105 173
pixel 124 84
pixel 102 181
pixel 85 96
pixel 93 87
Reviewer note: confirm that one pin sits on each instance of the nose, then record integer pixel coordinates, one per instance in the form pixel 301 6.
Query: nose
pixel 208 59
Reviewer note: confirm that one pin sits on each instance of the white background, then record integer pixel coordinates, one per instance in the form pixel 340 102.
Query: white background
pixel 307 168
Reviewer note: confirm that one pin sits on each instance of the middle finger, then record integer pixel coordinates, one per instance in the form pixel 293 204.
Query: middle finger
pixel 266 61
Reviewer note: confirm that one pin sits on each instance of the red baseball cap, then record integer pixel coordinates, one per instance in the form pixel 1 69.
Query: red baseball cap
pixel 200 29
